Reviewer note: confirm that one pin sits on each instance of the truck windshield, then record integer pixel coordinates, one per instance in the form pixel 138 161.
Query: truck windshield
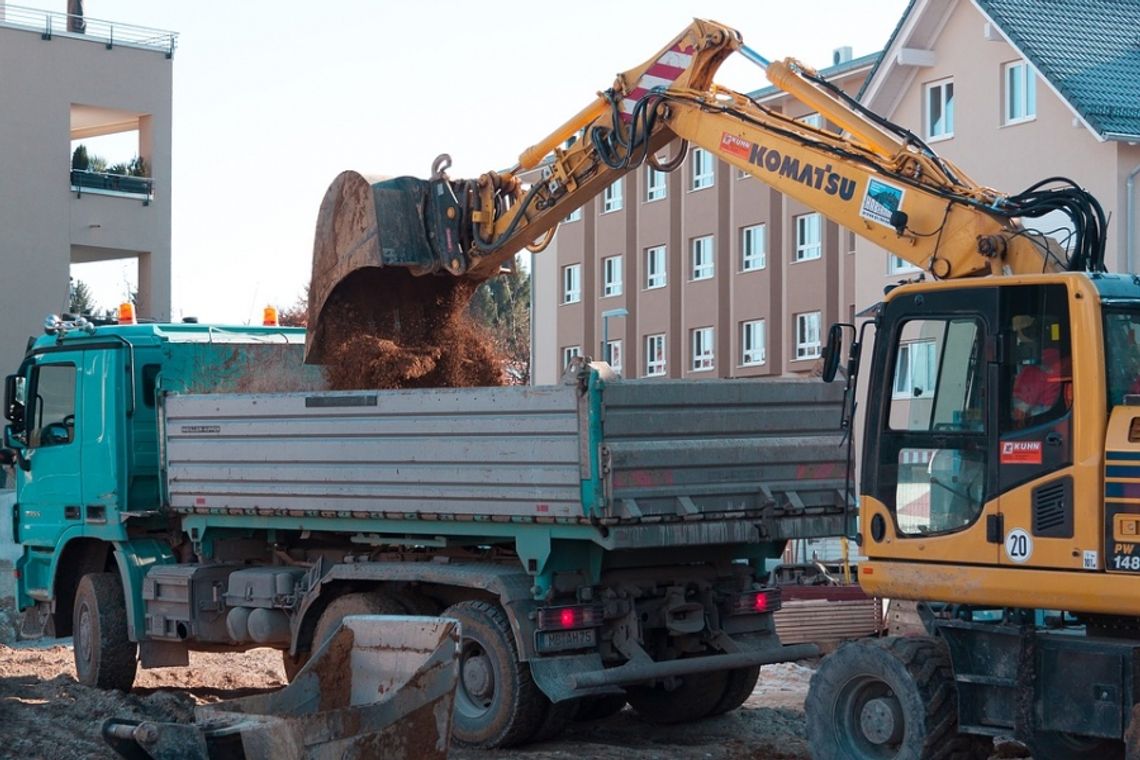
pixel 1122 352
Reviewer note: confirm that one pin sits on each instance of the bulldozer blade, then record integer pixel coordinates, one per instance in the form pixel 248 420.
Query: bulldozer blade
pixel 380 249
pixel 380 686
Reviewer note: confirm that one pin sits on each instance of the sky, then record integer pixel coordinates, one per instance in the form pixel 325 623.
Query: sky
pixel 273 99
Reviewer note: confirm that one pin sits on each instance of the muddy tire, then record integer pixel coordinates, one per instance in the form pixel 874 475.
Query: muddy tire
pixel 739 686
pixel 556 717
pixel 1049 745
pixel 884 700
pixel 357 603
pixel 694 699
pixel 497 703
pixel 599 708
pixel 105 657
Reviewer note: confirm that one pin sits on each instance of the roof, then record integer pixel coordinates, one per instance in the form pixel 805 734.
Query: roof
pixel 1090 52
pixel 831 72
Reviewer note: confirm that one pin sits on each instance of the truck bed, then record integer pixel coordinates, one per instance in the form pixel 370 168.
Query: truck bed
pixel 616 452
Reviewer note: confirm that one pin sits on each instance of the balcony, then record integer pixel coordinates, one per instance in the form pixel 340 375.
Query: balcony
pixel 51 24
pixel 102 183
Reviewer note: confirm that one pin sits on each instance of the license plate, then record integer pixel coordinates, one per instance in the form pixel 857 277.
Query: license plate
pixel 557 641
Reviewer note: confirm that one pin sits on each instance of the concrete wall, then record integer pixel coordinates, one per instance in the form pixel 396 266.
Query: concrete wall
pixel 44 227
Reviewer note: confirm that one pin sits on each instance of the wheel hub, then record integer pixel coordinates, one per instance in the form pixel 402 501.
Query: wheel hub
pixel 477 677
pixel 84 643
pixel 881 720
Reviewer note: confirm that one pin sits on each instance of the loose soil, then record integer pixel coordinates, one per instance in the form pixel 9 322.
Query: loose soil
pixel 385 329
pixel 44 713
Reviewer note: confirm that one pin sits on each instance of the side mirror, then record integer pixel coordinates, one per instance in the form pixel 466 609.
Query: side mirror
pixel 14 400
pixel 831 352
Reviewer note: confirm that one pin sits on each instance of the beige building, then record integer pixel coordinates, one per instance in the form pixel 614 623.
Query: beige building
pixel 1014 92
pixel 64 79
pixel 702 272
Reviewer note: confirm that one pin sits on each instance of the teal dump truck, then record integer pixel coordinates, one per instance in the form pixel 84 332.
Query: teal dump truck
pixel 185 487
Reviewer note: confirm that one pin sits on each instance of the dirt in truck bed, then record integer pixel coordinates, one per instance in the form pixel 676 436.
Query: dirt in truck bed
pixel 45 713
pixel 385 329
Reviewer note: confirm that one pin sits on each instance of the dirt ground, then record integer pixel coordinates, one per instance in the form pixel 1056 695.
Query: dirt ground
pixel 45 713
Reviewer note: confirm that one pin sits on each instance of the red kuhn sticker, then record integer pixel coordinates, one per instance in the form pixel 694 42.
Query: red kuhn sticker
pixel 737 146
pixel 1021 452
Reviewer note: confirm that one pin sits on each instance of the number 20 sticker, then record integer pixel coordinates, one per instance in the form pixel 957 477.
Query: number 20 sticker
pixel 1018 545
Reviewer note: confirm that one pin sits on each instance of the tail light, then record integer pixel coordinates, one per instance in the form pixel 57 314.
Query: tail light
pixel 755 602
pixel 570 617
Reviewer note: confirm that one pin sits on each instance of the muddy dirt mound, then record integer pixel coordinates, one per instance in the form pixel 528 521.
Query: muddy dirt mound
pixel 384 328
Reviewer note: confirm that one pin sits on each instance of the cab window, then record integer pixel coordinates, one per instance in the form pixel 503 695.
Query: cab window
pixel 1037 379
pixel 937 405
pixel 53 423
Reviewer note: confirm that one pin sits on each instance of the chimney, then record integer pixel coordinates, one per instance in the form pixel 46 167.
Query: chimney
pixel 841 55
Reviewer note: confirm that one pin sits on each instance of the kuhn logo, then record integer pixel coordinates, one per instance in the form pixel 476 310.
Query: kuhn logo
pixel 1021 452
pixel 737 146
pixel 1009 447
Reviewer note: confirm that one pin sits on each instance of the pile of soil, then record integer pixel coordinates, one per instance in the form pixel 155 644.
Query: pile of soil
pixel 385 328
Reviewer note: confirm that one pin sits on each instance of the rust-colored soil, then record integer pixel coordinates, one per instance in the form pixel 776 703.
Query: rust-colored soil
pixel 384 328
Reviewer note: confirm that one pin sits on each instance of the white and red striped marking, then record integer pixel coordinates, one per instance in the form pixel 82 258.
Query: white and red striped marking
pixel 663 73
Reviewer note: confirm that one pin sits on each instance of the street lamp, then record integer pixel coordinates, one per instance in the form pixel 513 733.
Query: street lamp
pixel 621 312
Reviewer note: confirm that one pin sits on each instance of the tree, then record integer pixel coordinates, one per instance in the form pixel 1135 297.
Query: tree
pixel 296 315
pixel 502 304
pixel 80 299
pixel 79 159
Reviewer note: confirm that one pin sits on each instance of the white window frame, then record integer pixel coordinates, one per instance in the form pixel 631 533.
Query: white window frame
pixel 611 198
pixel 568 353
pixel 655 348
pixel 1022 73
pixel 806 248
pixel 899 265
pixel 574 215
pixel 704 169
pixel 753 247
pixel 943 86
pixel 614 354
pixel 812 120
pixel 656 277
pixel 911 355
pixel 611 276
pixel 753 343
pixel 703 347
pixel 571 283
pixel 704 258
pixel 656 184
pixel 808 335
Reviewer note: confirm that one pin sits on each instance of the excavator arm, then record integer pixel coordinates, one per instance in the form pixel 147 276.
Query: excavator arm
pixel 415 241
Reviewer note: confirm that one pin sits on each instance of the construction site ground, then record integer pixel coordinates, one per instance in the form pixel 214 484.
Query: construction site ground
pixel 45 713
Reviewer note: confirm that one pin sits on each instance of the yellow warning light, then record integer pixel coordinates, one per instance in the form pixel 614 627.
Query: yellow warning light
pixel 269 317
pixel 127 314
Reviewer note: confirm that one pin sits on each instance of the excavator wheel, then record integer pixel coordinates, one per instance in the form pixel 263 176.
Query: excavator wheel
pixel 696 697
pixel 891 699
pixel 1050 745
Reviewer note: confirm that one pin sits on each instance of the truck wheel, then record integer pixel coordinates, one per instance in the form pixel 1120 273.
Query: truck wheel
pixel 694 699
pixel 105 657
pixel 1054 745
pixel 357 603
pixel 878 700
pixel 598 708
pixel 555 719
pixel 740 684
pixel 292 664
pixel 497 703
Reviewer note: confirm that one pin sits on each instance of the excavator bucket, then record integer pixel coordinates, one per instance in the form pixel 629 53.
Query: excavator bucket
pixel 385 258
pixel 381 686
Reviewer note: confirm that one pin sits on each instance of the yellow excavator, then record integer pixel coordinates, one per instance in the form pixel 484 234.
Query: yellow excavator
pixel 1000 480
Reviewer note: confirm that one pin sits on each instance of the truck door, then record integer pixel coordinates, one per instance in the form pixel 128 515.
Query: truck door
pixel 1035 428
pixel 51 499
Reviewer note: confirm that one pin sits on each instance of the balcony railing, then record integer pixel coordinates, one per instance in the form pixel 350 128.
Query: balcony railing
pixel 110 33
pixel 102 183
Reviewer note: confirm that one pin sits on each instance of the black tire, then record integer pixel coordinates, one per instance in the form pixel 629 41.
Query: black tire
pixel 497 703
pixel 739 687
pixel 105 657
pixel 599 708
pixel 555 719
pixel 883 700
pixel 1049 745
pixel 356 603
pixel 694 699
